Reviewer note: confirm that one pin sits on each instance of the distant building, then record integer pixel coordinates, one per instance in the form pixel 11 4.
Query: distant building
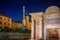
pixel 28 23
pixel 5 21
pixel 16 25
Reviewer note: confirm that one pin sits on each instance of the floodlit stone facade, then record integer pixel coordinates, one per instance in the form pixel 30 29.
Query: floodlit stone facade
pixel 5 21
pixel 50 23
pixel 36 25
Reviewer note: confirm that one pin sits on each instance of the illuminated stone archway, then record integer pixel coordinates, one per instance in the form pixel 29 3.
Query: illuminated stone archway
pixel 36 27
pixel 51 20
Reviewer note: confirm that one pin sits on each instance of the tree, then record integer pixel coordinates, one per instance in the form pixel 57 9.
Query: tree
pixel 27 31
pixel 12 29
pixel 1 29
pixel 24 29
pixel 6 29
pixel 20 30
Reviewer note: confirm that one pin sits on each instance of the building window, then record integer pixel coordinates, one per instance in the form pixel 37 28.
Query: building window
pixel 5 19
pixel 4 23
pixel 0 17
pixel 53 34
pixel 0 22
pixel 8 19
pixel 8 24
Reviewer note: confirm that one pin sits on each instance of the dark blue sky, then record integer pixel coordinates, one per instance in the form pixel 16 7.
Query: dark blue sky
pixel 13 8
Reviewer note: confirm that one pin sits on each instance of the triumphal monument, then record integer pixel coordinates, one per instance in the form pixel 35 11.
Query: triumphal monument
pixel 36 27
pixel 49 21
pixel 52 23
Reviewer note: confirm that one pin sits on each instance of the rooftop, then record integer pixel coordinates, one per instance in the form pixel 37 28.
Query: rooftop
pixel 4 15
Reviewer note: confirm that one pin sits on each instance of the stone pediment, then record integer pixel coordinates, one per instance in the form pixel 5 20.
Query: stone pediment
pixel 36 15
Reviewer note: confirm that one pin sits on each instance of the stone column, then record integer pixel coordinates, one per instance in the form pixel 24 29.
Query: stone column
pixel 44 33
pixel 36 16
pixel 59 33
pixel 44 30
pixel 37 29
pixel 40 28
pixel 32 30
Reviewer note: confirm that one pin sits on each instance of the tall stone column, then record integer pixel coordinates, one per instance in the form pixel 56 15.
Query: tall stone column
pixel 45 29
pixel 37 29
pixel 36 17
pixel 59 33
pixel 44 33
pixel 40 28
pixel 32 30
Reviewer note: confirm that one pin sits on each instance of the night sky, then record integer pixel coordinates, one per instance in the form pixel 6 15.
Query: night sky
pixel 13 8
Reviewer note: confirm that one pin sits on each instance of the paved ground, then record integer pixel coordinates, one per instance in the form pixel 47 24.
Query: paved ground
pixel 14 36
